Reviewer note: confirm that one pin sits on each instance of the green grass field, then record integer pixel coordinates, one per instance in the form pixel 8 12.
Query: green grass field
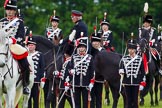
pixel 120 103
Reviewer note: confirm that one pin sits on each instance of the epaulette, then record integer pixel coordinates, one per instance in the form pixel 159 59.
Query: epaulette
pixel 139 28
pixel 48 28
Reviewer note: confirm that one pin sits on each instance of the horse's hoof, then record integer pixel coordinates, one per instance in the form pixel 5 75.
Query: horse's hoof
pixel 141 102
pixel 156 103
pixel 152 103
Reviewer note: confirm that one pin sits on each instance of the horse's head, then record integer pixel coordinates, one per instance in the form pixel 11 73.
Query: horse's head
pixel 4 48
pixel 143 44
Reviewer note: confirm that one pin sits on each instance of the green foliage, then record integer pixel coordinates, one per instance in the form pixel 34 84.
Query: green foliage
pixel 123 15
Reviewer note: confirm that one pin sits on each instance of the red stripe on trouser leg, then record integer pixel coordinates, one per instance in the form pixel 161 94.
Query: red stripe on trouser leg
pixel 144 57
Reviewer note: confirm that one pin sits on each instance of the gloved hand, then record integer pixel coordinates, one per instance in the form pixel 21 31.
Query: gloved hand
pixel 61 41
pixel 72 71
pixel 121 71
pixel 141 87
pixel 67 86
pixel 151 42
pixel 43 80
pixel 58 74
pixel 71 36
pixel 91 84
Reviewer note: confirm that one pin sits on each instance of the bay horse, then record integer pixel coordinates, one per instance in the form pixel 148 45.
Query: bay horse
pixel 9 76
pixel 153 74
pixel 107 64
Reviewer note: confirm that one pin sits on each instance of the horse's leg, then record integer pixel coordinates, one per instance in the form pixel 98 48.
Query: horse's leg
pixel 151 94
pixel 160 87
pixel 107 99
pixel 115 93
pixel 10 97
pixel 0 101
pixel 157 80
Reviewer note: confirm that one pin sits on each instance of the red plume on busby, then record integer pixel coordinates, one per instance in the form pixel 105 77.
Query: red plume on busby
pixel 105 21
pixel 96 36
pixel 29 39
pixel 10 4
pixel 54 17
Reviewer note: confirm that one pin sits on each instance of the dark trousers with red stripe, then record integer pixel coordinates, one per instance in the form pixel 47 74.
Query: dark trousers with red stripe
pixel 35 96
pixel 132 96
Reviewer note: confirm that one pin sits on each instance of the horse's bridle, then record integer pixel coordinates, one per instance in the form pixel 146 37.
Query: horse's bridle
pixel 5 64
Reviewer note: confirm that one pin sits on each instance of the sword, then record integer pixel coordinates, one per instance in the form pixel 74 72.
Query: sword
pixel 60 99
pixel 89 98
pixel 72 98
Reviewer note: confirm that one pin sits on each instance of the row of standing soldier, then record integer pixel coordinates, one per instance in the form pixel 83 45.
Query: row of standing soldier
pixel 79 27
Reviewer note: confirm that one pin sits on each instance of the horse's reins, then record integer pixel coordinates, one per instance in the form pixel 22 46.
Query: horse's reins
pixel 9 69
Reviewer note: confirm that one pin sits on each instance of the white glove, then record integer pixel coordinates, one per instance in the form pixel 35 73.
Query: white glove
pixel 56 73
pixel 71 36
pixel 141 87
pixel 159 38
pixel 90 86
pixel 121 71
pixel 152 42
pixel 67 86
pixel 72 71
pixel 43 80
pixel 61 41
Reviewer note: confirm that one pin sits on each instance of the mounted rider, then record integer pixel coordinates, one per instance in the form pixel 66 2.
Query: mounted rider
pixel 19 53
pixel 54 33
pixel 150 34
pixel 107 35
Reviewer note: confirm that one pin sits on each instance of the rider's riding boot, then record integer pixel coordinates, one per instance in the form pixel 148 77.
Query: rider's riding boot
pixel 24 66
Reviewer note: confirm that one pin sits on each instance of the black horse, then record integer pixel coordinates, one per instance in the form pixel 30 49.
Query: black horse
pixel 107 64
pixel 152 75
pixel 53 56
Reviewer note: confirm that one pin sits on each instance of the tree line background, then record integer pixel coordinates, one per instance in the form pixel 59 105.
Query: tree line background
pixel 125 16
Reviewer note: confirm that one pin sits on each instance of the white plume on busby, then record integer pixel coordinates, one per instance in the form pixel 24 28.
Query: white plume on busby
pixel 105 20
pixel 54 17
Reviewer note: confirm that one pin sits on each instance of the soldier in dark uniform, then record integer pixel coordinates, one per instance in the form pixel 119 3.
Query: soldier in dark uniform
pixel 65 77
pixel 96 93
pixel 150 34
pixel 107 35
pixel 54 33
pixel 79 27
pixel 133 74
pixel 10 7
pixel 38 60
pixel 83 69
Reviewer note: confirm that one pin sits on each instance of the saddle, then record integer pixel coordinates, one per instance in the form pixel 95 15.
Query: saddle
pixel 18 52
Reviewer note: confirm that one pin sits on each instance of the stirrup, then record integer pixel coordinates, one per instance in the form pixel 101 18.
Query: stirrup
pixel 26 91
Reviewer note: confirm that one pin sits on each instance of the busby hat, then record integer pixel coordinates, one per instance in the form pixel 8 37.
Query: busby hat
pixel 76 13
pixel 10 4
pixel 132 44
pixel 83 41
pixel 69 49
pixel 54 17
pixel 148 18
pixel 105 21
pixel 31 40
